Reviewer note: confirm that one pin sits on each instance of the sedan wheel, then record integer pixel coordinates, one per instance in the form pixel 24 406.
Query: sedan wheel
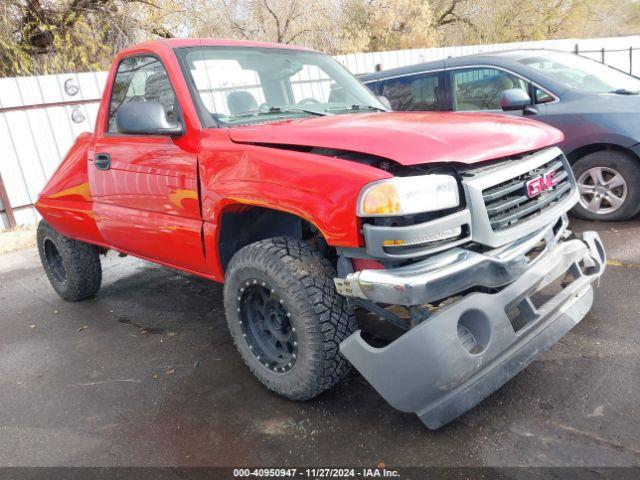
pixel 602 190
pixel 608 185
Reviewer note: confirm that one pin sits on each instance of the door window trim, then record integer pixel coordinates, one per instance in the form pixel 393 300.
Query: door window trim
pixel 179 115
pixel 393 77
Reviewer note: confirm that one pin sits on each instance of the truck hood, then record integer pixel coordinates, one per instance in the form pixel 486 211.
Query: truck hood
pixel 409 138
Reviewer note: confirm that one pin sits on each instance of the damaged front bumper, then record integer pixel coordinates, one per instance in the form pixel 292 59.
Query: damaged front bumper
pixel 457 357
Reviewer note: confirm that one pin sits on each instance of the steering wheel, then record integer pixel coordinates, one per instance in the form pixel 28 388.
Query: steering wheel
pixel 307 101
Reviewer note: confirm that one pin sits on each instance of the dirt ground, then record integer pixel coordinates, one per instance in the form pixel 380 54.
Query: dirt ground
pixel 146 374
pixel 18 238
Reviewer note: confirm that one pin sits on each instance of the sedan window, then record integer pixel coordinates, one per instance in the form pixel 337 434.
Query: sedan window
pixel 541 96
pixel 481 88
pixel 584 74
pixel 415 92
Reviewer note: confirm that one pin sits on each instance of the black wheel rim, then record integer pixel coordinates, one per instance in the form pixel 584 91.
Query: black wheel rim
pixel 54 260
pixel 266 326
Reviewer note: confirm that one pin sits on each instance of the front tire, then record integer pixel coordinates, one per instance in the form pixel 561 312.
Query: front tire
pixel 73 267
pixel 609 186
pixel 286 318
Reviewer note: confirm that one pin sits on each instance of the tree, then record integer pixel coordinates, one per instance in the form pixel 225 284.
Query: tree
pixel 375 25
pixel 49 36
pixel 43 36
pixel 281 21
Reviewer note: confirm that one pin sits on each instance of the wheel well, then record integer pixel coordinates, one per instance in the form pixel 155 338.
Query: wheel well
pixel 580 152
pixel 241 225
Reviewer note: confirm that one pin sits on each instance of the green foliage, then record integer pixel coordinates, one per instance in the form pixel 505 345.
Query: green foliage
pixel 52 36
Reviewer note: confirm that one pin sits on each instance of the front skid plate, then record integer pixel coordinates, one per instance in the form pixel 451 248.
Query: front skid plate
pixel 429 372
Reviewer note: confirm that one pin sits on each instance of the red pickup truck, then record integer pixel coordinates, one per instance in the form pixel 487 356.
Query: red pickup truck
pixel 271 169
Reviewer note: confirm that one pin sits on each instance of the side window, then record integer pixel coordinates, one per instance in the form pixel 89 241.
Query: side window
pixel 416 92
pixel 542 96
pixel 375 87
pixel 481 88
pixel 141 79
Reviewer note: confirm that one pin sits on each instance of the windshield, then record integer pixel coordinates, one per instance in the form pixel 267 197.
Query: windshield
pixel 583 73
pixel 240 85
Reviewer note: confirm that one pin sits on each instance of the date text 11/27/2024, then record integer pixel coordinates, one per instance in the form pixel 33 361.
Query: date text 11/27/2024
pixel 318 472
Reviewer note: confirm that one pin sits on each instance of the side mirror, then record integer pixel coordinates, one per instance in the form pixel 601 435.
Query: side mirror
pixel 145 118
pixel 385 102
pixel 514 99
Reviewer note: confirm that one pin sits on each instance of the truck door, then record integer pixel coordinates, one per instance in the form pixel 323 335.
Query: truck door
pixel 145 187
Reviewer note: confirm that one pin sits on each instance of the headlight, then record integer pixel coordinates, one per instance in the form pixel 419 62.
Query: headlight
pixel 408 195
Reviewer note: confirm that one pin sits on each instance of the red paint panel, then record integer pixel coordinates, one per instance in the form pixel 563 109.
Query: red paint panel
pixel 322 190
pixel 147 202
pixel 65 201
pixel 167 239
pixel 411 138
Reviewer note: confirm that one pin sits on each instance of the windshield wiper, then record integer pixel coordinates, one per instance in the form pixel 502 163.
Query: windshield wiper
pixel 272 110
pixel 624 91
pixel 359 107
pixel 297 110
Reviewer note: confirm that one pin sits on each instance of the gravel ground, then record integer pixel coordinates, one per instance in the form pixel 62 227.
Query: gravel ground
pixel 146 374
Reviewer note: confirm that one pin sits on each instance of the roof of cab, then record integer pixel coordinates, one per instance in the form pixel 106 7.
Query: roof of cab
pixel 213 42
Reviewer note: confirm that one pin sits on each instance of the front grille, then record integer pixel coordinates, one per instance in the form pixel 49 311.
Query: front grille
pixel 509 203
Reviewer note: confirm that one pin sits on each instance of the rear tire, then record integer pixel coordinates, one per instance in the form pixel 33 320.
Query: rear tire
pixel 611 167
pixel 286 318
pixel 73 267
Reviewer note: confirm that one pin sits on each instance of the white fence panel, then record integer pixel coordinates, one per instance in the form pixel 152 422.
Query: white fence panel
pixel 41 116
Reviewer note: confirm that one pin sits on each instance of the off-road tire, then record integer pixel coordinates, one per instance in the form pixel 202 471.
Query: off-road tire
pixel 627 167
pixel 73 267
pixel 302 278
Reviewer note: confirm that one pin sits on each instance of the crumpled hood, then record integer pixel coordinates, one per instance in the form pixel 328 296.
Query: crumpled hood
pixel 409 138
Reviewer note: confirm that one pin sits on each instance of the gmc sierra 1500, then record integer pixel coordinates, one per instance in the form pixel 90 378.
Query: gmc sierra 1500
pixel 271 168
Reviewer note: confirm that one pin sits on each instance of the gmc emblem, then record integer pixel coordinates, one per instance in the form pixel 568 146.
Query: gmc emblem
pixel 540 184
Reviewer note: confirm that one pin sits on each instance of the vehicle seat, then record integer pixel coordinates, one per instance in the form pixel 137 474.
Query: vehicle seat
pixel 462 100
pixel 241 102
pixel 504 84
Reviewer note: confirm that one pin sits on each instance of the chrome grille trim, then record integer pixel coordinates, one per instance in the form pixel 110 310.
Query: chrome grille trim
pixel 508 203
pixel 505 219
pixel 502 190
pixel 501 212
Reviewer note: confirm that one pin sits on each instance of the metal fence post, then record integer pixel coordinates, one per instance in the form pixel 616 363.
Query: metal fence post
pixel 6 205
pixel 576 49
pixel 602 51
pixel 630 60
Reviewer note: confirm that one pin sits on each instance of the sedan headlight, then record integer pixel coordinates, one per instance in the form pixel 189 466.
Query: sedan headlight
pixel 408 195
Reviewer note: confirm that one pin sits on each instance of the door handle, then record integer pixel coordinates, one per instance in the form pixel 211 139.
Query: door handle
pixel 102 161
